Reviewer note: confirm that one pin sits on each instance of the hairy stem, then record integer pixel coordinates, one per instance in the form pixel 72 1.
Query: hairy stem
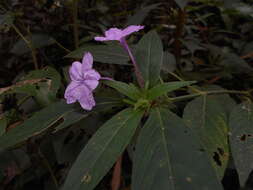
pixel 138 74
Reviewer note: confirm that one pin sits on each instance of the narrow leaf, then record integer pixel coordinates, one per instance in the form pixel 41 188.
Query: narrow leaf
pixel 209 120
pixel 38 123
pixel 102 151
pixel 169 156
pixel 130 91
pixel 241 141
pixel 164 88
pixel 149 57
pixel 112 53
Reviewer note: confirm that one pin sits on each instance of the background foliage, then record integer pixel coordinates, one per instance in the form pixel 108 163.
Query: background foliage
pixel 206 41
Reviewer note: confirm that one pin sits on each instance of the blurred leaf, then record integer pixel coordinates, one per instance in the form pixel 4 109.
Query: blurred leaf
pixel 102 150
pixel 165 155
pixel 169 62
pixel 141 14
pixel 113 54
pixel 6 19
pixel 181 3
pixel 35 125
pixel 3 124
pixel 164 88
pixel 149 57
pixel 235 64
pixel 209 120
pixel 130 91
pixel 37 41
pixel 241 139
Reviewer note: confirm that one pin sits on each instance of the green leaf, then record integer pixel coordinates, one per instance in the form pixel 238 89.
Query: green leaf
pixel 209 120
pixel 6 19
pixel 111 53
pixel 164 88
pixel 130 91
pixel 169 156
pixel 149 57
pixel 47 72
pixel 35 125
pixel 241 141
pixel 102 150
pixel 76 115
pixel 37 41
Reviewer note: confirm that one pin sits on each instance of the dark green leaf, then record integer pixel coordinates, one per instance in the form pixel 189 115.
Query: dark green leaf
pixel 37 41
pixel 102 151
pixel 130 91
pixel 241 139
pixel 6 19
pixel 169 156
pixel 38 123
pixel 209 120
pixel 149 57
pixel 112 53
pixel 164 88
pixel 169 62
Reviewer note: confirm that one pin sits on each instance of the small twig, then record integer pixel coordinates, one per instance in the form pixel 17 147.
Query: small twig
pixel 61 46
pixel 29 44
pixel 47 165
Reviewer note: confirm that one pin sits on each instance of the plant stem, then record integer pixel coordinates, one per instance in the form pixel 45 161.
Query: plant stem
pixel 178 34
pixel 75 20
pixel 29 44
pixel 47 165
pixel 138 74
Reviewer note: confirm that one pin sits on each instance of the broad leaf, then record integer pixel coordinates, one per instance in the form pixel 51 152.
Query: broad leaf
pixel 164 88
pixel 102 150
pixel 130 91
pixel 38 123
pixel 149 57
pixel 112 53
pixel 241 141
pixel 169 156
pixel 209 120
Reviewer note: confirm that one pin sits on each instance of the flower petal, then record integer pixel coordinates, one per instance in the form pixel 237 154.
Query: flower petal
pixel 87 61
pixel 100 39
pixel 113 34
pixel 91 75
pixel 131 29
pixel 87 101
pixel 75 71
pixel 70 92
pixel 91 84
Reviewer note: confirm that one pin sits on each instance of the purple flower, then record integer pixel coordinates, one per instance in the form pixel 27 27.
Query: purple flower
pixel 84 80
pixel 118 34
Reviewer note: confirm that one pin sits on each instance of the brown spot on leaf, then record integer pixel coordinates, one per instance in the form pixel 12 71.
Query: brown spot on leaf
pixel 216 158
pixel 86 178
pixel 243 137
